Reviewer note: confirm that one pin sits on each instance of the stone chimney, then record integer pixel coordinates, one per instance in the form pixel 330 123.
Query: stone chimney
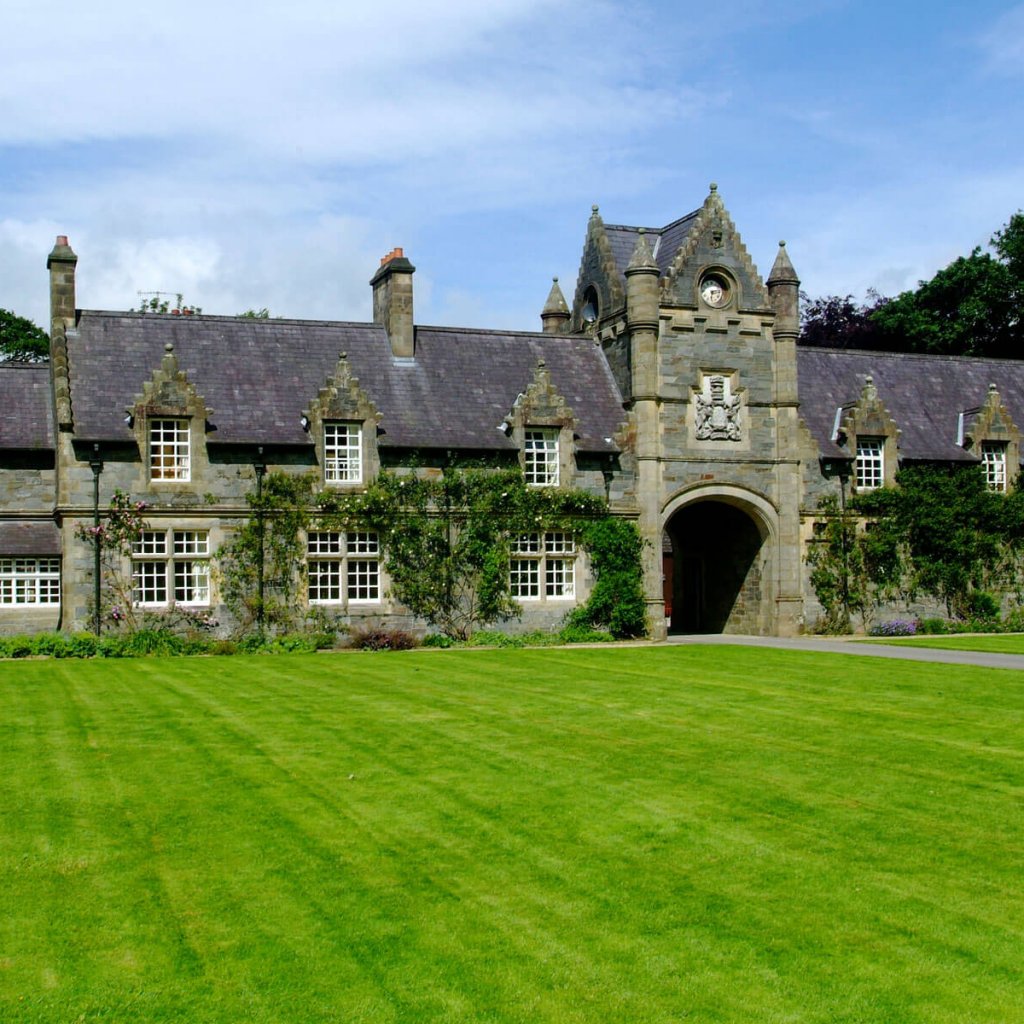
pixel 61 265
pixel 392 301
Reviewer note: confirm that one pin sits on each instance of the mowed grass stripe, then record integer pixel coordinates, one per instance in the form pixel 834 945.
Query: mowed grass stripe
pixel 584 835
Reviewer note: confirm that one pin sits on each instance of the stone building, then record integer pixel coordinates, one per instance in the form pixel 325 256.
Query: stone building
pixel 673 386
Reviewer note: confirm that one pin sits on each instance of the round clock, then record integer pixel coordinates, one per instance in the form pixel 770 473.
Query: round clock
pixel 714 291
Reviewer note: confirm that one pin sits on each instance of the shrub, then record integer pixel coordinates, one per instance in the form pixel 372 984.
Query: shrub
pixel 146 642
pixel 895 627
pixel 574 634
pixel 934 626
pixel 19 647
pixel 982 605
pixel 492 638
pixel 49 645
pixel 80 645
pixel 438 640
pixel 382 640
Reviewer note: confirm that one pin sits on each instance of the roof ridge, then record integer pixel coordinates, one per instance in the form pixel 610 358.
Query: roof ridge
pixel 260 321
pixel 656 231
pixel 944 356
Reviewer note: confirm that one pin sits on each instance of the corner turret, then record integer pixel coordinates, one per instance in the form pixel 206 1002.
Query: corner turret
pixel 554 317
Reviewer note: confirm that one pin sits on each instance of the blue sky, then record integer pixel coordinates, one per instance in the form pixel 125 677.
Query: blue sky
pixel 268 154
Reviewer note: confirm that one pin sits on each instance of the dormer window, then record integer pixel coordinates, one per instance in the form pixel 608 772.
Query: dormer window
pixel 993 463
pixel 540 456
pixel 870 465
pixel 343 453
pixel 170 456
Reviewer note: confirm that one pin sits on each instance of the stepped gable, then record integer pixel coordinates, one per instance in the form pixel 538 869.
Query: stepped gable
pixel 259 375
pixel 924 395
pixel 27 401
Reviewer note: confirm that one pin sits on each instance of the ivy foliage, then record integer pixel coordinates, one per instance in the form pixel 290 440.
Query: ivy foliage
pixel 446 542
pixel 280 515
pixel 940 533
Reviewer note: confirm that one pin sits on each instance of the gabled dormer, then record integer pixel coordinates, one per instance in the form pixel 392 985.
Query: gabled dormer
pixel 342 421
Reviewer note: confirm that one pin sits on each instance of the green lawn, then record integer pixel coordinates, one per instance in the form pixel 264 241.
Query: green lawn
pixel 995 643
pixel 631 835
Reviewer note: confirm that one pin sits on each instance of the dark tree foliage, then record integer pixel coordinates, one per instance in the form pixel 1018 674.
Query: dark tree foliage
pixel 952 528
pixel 836 321
pixel 972 307
pixel 20 339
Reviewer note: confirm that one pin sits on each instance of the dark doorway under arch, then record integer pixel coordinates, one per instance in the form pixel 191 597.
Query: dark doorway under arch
pixel 713 574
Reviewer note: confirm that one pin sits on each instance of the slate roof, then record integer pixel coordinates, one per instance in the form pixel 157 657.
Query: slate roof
pixel 29 538
pixel 664 242
pixel 924 395
pixel 26 406
pixel 259 375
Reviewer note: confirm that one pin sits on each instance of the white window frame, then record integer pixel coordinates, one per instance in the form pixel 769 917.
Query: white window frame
pixel 541 456
pixel 870 464
pixel 171 567
pixel 542 567
pixel 170 450
pixel 343 569
pixel 29 581
pixel 343 453
pixel 993 462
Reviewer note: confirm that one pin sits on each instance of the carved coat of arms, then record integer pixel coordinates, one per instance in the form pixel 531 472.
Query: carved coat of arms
pixel 717 411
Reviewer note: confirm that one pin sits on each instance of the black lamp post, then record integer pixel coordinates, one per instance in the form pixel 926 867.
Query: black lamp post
pixel 260 468
pixel 96 465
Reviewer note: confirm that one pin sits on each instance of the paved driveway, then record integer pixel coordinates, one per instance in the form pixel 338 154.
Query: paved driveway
pixel 809 643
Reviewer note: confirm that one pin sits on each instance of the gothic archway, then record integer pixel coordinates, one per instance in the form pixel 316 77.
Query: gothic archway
pixel 718 575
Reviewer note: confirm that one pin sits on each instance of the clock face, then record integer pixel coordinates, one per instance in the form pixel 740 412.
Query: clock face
pixel 714 291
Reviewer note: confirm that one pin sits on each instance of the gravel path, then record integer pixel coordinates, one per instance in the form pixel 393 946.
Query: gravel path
pixel 802 643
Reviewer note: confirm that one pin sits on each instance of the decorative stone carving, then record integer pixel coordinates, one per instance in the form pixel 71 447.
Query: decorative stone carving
pixel 717 411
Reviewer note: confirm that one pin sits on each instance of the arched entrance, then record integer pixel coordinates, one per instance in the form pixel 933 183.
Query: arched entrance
pixel 717 570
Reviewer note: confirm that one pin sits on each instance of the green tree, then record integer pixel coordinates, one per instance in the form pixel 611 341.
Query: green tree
pixel 20 339
pixel 972 307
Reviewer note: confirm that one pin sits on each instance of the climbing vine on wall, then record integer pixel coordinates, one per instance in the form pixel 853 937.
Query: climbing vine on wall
pixel 273 535
pixel 940 533
pixel 446 542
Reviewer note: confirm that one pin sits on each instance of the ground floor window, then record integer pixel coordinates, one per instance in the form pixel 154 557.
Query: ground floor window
pixel 171 567
pixel 27 581
pixel 342 568
pixel 543 566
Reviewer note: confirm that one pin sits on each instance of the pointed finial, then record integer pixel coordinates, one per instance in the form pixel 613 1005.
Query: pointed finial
pixel 556 309
pixel 642 259
pixel 783 271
